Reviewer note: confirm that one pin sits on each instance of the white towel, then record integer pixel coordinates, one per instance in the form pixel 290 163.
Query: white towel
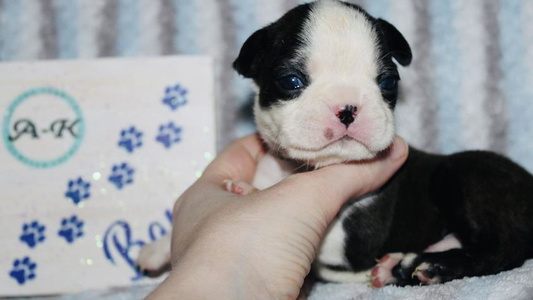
pixel 516 284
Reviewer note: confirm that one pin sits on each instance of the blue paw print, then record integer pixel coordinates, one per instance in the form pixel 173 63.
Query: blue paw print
pixel 130 139
pixel 71 229
pixel 32 233
pixel 169 134
pixel 175 96
pixel 23 270
pixel 78 190
pixel 121 175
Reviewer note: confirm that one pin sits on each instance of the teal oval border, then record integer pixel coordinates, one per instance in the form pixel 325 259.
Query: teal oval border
pixel 43 163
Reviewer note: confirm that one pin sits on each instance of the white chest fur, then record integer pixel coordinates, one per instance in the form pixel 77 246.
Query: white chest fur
pixel 270 171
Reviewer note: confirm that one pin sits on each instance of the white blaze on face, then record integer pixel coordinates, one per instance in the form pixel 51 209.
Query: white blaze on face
pixel 341 57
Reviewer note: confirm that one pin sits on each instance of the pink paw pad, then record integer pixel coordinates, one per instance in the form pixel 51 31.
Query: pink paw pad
pixel 382 272
pixel 238 188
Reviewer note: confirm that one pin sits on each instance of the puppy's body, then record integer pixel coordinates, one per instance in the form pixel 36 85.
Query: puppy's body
pixel 480 197
pixel 327 86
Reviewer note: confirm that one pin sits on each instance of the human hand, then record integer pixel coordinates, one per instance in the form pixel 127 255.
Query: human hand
pixel 262 245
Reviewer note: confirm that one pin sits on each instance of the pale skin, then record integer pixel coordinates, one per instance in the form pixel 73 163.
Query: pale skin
pixel 261 245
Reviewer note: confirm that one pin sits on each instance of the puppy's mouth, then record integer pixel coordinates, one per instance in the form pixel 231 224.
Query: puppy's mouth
pixel 343 146
pixel 346 138
pixel 343 141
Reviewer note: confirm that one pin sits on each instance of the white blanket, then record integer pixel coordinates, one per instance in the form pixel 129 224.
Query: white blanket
pixel 511 285
pixel 516 285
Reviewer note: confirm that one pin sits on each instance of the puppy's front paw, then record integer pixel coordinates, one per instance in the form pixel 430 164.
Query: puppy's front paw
pixel 155 257
pixel 239 188
pixel 428 273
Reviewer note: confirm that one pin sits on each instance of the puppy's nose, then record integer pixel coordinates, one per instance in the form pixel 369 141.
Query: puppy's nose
pixel 347 115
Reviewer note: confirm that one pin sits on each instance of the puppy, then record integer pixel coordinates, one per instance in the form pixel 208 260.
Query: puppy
pixel 327 86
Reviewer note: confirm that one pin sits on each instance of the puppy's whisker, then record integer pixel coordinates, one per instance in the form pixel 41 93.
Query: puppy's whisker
pixel 303 167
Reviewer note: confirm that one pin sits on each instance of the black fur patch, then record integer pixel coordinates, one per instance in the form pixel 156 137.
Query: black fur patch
pixel 270 54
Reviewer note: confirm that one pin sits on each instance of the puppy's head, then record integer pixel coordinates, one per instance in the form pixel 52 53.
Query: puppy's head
pixel 326 82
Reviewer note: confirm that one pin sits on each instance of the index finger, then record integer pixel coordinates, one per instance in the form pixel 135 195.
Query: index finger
pixel 237 162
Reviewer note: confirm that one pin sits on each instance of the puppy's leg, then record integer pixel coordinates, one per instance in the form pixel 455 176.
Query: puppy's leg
pixel 486 201
pixel 448 260
pixel 439 267
pixel 430 268
pixel 155 257
pixel 382 273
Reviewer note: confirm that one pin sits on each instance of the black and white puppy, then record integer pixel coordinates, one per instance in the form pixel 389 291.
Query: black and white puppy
pixel 327 86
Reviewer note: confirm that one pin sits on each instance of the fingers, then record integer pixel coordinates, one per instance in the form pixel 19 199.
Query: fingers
pixel 361 178
pixel 331 186
pixel 238 162
pixel 335 184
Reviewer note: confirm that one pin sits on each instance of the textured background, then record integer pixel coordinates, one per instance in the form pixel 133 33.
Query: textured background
pixel 470 86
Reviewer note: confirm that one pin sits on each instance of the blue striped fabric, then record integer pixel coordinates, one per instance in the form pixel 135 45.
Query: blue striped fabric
pixel 128 28
pixel 67 28
pixel 185 41
pixel 378 8
pixel 517 80
pixel 445 49
pixel 245 18
pixel 9 27
pixel 470 84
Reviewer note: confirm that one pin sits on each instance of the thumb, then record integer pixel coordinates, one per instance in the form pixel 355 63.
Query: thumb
pixel 237 162
pixel 330 187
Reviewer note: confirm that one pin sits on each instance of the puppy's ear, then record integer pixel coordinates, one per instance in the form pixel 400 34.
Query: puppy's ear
pixel 252 53
pixel 395 43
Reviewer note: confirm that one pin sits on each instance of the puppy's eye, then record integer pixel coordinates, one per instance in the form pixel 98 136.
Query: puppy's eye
pixel 388 83
pixel 291 82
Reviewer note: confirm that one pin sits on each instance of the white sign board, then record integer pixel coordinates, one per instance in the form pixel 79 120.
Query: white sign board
pixel 93 155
